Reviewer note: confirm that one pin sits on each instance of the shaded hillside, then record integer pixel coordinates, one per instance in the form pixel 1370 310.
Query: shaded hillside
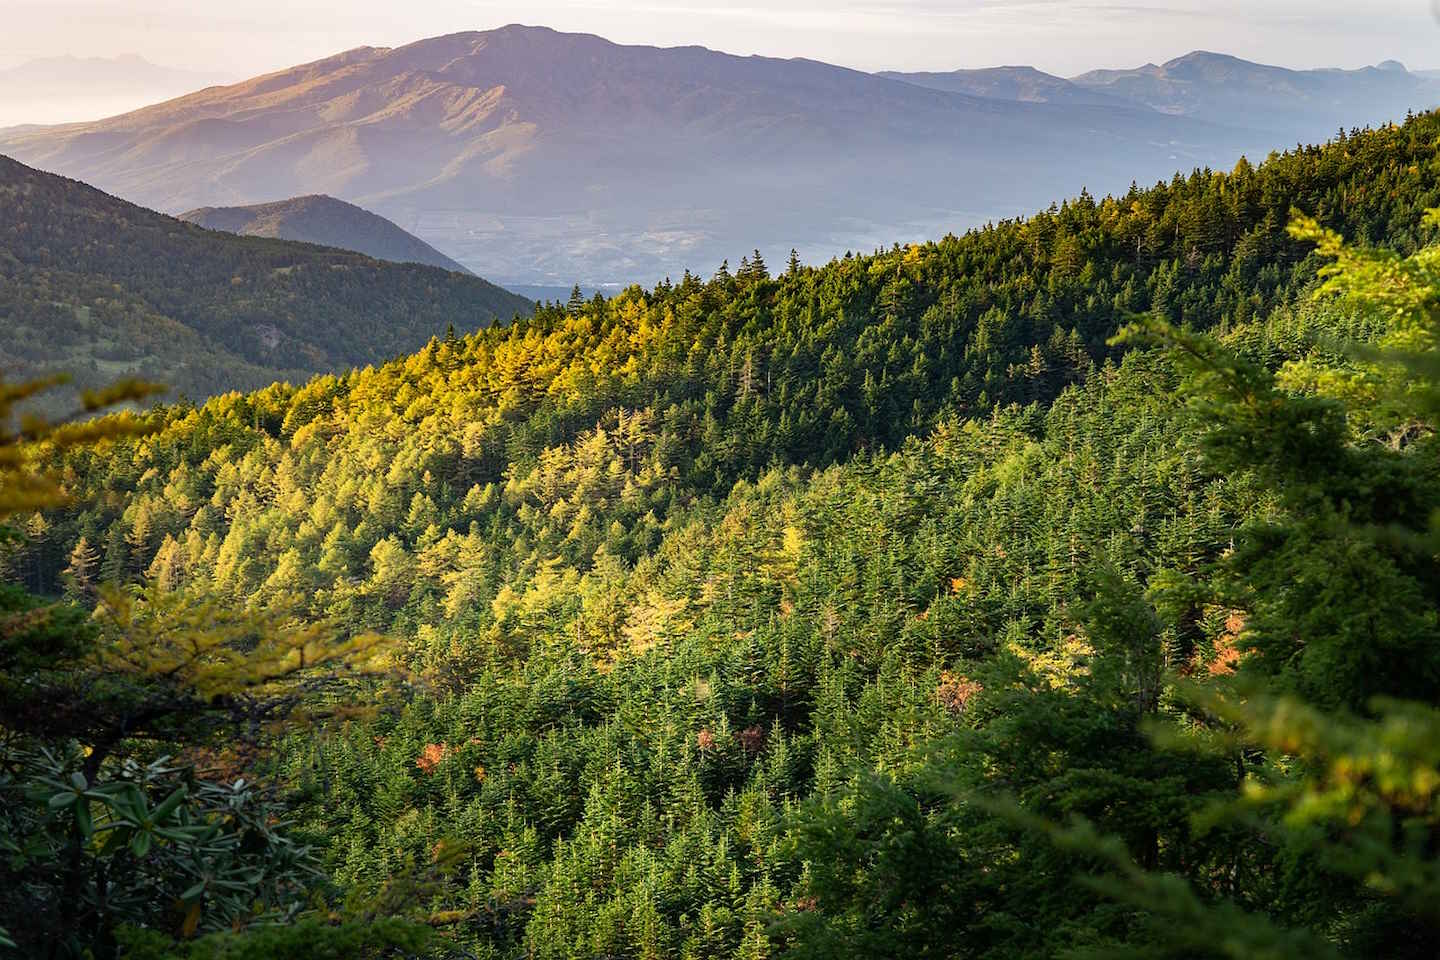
pixel 327 222
pixel 99 286
pixel 550 158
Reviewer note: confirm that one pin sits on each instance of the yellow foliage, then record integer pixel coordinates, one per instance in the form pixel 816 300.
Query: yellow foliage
pixel 1060 666
pixel 24 486
pixel 214 650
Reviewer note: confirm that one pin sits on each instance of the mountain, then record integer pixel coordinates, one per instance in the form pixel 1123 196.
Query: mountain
pixel 1289 105
pixel 1025 84
pixel 63 89
pixel 552 158
pixel 1305 105
pixel 97 286
pixel 325 221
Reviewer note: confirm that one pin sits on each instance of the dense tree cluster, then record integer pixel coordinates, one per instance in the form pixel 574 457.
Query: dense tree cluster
pixel 891 607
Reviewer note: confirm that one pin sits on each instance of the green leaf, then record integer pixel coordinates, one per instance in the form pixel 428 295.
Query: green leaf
pixel 140 844
pixel 168 805
pixel 124 806
pixel 82 817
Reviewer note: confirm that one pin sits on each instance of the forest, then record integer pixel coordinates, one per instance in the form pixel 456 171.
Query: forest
pixel 100 289
pixel 1066 588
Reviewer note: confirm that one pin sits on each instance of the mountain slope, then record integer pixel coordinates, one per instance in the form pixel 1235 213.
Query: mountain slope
pixel 1010 83
pixel 325 221
pixel 551 157
pixel 100 287
pixel 1304 104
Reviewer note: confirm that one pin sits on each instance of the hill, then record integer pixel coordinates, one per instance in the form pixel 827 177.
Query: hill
pixel 470 141
pixel 101 287
pixel 327 222
pixel 713 585
pixel 1305 105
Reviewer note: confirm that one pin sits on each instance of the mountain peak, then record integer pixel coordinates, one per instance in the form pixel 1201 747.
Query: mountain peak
pixel 1206 56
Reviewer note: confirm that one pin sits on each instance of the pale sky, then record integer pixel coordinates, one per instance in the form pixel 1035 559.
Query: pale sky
pixel 246 37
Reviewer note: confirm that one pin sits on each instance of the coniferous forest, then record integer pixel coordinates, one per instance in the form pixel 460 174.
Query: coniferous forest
pixel 1066 588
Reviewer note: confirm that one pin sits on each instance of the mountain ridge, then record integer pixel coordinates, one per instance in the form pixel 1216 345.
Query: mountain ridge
pixel 94 285
pixel 1016 82
pixel 1209 85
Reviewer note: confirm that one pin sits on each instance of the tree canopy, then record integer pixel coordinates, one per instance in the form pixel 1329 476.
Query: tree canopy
pixel 1067 587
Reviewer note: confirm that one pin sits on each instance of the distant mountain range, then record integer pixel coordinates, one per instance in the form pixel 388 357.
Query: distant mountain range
pixel 1307 105
pixel 1297 105
pixel 100 288
pixel 325 221
pixel 1023 84
pixel 64 89
pixel 544 158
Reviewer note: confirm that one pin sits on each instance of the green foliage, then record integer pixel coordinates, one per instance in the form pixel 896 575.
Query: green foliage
pixel 1343 589
pixel 137 844
pixel 790 615
pixel 95 831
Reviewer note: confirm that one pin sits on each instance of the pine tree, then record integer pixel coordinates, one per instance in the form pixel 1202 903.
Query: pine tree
pixel 83 568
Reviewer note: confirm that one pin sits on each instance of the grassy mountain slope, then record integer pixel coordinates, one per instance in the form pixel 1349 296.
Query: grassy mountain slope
pixel 327 222
pixel 102 288
pixel 694 574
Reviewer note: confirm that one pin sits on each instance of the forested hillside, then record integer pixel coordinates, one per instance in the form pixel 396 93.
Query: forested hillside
pixel 101 288
pixel 890 607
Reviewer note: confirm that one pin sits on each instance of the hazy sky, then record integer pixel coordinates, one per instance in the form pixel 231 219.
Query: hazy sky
pixel 244 37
